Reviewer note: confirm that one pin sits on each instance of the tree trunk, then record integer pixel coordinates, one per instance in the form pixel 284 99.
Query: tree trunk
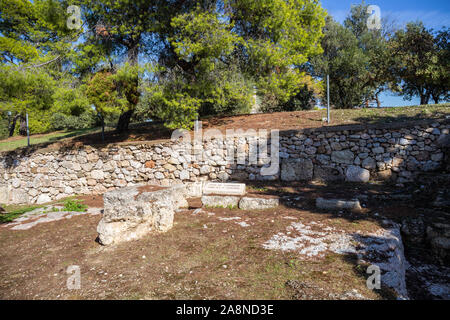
pixel 12 127
pixel 124 121
pixel 424 98
pixel 23 126
pixel 377 98
pixel 125 117
pixel 435 98
pixel 428 96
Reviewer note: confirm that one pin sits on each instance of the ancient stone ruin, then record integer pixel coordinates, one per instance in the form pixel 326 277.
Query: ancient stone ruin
pixel 354 153
pixel 133 212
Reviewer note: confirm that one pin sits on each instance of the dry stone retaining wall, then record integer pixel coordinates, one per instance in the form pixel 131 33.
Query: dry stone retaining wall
pixel 353 153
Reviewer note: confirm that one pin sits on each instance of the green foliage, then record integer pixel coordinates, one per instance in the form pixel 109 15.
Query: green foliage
pixel 113 93
pixel 4 130
pixel 305 98
pixel 74 205
pixel 71 109
pixel 61 121
pixel 70 99
pixel 358 60
pixel 177 109
pixel 10 216
pixel 422 63
pixel 440 74
pixel 346 64
pixel 101 92
pixel 34 46
pixel 220 54
pixel 24 91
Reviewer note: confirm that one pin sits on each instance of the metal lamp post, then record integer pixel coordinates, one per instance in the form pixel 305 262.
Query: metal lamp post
pixel 328 99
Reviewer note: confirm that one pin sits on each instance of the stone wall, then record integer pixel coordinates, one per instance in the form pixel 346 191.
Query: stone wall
pixel 352 153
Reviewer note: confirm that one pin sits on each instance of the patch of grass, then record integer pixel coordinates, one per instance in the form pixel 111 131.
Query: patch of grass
pixel 13 214
pixel 74 205
pixel 16 142
pixel 259 189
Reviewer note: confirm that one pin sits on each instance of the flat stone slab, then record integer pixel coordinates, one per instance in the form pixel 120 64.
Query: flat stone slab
pixel 337 204
pixel 232 189
pixel 382 247
pixel 249 203
pixel 220 201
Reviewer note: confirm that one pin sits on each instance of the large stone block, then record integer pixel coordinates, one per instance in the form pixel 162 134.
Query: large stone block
pixel 4 195
pixel 327 173
pixel 297 170
pixel 337 204
pixel 357 174
pixel 343 157
pixel 133 212
pixel 43 198
pixel 194 189
pixel 220 201
pixel 232 189
pixel 248 203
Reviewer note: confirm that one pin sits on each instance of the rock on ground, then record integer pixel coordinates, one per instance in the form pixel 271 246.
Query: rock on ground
pixel 336 204
pixel 220 201
pixel 131 214
pixel 357 174
pixel 383 248
pixel 247 203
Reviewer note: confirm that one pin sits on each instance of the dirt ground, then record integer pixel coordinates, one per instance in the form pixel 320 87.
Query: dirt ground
pixel 212 254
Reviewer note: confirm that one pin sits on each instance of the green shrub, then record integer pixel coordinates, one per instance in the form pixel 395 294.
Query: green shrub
pixel 74 205
pixel 62 121
pixel 10 216
pixel 4 132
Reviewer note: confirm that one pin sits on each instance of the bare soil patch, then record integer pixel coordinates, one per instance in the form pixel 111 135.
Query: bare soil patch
pixel 149 188
pixel 92 201
pixel 209 254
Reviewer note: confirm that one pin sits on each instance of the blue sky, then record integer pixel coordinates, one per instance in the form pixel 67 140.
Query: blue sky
pixel 433 13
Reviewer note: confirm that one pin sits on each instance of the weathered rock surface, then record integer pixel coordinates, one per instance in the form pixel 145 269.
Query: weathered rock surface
pixel 130 213
pixel 336 204
pixel 296 170
pixel 382 248
pixel 327 173
pixel 357 174
pixel 220 201
pixel 413 230
pixel 248 203
pixel 4 194
pixel 232 189
pixel 344 156
pixel 438 235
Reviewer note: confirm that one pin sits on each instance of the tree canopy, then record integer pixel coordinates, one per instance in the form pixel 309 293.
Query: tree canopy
pixel 177 60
